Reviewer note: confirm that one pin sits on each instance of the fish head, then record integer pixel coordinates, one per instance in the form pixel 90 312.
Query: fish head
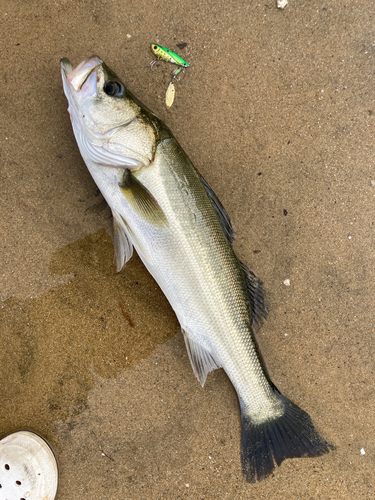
pixel 105 116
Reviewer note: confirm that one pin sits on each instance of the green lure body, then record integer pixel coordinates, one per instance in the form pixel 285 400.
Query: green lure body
pixel 168 55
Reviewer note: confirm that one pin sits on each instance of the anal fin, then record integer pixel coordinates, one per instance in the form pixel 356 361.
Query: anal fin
pixel 201 360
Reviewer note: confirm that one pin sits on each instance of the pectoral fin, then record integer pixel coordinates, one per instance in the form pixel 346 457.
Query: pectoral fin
pixel 141 200
pixel 201 360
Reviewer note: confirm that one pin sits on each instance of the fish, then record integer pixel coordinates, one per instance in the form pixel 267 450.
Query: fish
pixel 164 209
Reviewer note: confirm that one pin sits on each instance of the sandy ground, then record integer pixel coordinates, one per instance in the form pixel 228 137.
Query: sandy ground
pixel 277 112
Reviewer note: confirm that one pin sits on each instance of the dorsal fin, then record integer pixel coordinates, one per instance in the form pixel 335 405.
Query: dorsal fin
pixel 201 360
pixel 220 211
pixel 258 304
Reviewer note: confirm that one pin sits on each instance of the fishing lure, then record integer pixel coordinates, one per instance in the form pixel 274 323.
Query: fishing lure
pixel 167 55
pixel 176 72
pixel 169 96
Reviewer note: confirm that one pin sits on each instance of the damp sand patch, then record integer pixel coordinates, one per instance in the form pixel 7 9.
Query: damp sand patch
pixel 99 322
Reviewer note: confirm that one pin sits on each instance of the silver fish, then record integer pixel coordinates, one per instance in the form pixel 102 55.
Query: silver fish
pixel 164 209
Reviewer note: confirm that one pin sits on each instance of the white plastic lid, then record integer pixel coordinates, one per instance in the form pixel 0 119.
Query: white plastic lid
pixel 28 468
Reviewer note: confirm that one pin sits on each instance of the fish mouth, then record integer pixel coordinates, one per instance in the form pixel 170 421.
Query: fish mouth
pixel 76 78
pixel 66 66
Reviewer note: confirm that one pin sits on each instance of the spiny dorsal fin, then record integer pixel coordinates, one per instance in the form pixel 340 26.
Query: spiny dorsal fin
pixel 141 200
pixel 221 213
pixel 257 297
pixel 123 245
pixel 201 360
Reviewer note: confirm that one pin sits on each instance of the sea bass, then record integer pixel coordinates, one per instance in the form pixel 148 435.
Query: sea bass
pixel 164 209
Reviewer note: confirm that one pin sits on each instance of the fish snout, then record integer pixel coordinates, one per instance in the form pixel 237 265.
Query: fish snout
pixel 78 77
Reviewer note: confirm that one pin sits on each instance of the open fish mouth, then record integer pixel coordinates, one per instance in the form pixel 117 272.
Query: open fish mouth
pixel 66 66
pixel 76 78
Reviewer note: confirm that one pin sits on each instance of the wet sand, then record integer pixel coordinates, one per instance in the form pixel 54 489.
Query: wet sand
pixel 277 112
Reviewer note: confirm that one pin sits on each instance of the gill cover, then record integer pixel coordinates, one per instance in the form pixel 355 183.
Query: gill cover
pixel 93 92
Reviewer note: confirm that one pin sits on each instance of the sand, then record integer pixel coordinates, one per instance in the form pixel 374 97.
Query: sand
pixel 277 112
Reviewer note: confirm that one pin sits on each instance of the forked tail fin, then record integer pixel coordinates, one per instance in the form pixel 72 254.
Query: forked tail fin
pixel 290 436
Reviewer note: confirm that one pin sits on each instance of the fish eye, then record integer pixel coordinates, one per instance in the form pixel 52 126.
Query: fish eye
pixel 114 89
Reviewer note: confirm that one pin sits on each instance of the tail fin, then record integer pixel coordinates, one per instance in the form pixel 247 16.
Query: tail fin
pixel 290 436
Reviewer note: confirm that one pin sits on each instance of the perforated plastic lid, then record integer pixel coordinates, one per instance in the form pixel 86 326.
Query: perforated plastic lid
pixel 28 468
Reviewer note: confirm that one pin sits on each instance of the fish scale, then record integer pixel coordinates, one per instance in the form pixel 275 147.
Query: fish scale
pixel 185 254
pixel 165 210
